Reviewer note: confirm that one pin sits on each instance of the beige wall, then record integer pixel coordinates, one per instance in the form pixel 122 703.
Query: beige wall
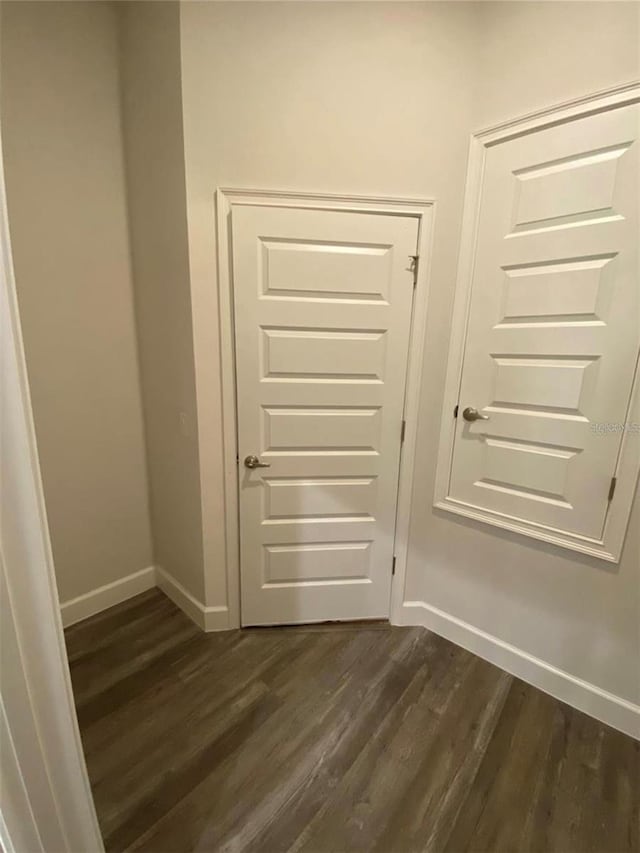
pixel 581 615
pixel 533 54
pixel 152 113
pixel 66 199
pixel 380 99
pixel 368 98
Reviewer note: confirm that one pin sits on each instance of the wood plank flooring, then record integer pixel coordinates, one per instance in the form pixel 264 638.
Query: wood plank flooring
pixel 334 738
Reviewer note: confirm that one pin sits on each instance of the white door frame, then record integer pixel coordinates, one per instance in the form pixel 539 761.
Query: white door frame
pixel 424 211
pixel 609 547
pixel 47 803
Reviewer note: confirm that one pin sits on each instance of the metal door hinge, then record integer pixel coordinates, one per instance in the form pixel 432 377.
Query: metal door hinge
pixel 612 488
pixel 403 429
pixel 393 566
pixel 455 412
pixel 415 260
pixel 237 458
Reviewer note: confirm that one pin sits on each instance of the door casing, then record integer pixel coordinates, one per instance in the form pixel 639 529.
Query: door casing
pixel 424 210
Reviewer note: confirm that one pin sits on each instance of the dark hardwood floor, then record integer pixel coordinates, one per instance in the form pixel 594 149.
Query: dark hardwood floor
pixel 334 738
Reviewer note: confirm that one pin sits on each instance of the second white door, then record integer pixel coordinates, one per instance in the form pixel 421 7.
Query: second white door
pixel 322 320
pixel 553 332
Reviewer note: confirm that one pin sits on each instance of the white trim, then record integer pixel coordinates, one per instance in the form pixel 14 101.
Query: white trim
pixel 411 408
pixel 6 844
pixel 39 705
pixel 91 603
pixel 106 596
pixel 610 709
pixel 628 467
pixel 424 211
pixel 206 618
pixel 18 827
pixel 593 102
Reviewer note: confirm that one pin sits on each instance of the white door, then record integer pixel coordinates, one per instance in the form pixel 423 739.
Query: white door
pixel 554 324
pixel 322 319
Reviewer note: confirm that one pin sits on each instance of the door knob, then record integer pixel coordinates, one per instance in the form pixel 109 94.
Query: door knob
pixel 254 462
pixel 471 414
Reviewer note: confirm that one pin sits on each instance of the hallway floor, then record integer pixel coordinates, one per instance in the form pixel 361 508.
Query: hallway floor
pixel 334 738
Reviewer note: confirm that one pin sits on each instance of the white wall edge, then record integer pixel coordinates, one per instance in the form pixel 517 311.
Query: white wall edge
pixel 5 839
pixel 18 826
pixel 610 709
pixel 206 618
pixel 97 600
pixel 37 695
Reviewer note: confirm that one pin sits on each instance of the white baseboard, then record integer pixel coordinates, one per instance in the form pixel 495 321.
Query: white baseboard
pixel 106 596
pixel 610 709
pixel 207 618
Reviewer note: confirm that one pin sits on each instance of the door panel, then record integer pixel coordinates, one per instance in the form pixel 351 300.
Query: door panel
pixel 322 318
pixel 306 429
pixel 324 354
pixel 309 270
pixel 326 497
pixel 554 324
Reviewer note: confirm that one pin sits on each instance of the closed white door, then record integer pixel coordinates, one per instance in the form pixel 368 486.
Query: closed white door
pixel 322 319
pixel 554 324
